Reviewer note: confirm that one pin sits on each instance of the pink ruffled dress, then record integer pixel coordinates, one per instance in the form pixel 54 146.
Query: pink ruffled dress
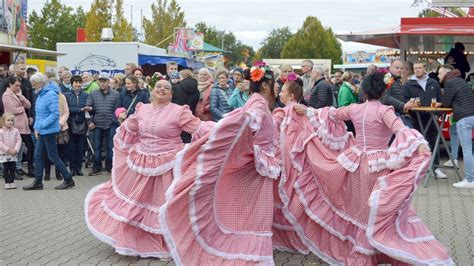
pixel 123 212
pixel 219 210
pixel 349 200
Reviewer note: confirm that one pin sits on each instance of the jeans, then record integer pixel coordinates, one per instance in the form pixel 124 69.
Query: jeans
pixel 28 142
pixel 454 141
pixel 20 157
pixel 48 142
pixel 47 162
pixel 76 150
pixel 99 136
pixel 464 128
pixel 431 134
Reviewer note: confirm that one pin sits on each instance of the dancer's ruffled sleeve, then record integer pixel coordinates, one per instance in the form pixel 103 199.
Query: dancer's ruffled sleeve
pixel 329 125
pixel 127 133
pixel 193 125
pixel 406 143
pixel 266 162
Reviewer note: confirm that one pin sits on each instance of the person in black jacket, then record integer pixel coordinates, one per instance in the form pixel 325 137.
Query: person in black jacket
pixel 458 95
pixel 186 93
pixel 321 93
pixel 395 94
pixel 132 95
pixel 76 101
pixel 425 88
pixel 457 59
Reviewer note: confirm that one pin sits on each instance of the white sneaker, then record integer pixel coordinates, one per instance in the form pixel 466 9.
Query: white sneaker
pixel 464 184
pixel 7 186
pixel 457 184
pixel 450 164
pixel 12 186
pixel 439 174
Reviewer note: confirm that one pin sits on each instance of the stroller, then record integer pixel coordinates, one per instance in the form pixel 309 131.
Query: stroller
pixel 89 157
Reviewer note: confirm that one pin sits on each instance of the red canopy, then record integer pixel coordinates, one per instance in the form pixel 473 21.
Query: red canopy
pixel 413 26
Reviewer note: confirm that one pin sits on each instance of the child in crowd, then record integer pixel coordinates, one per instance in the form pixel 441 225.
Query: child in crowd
pixel 10 142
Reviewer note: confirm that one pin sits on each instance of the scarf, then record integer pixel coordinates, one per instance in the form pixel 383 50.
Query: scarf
pixel 203 85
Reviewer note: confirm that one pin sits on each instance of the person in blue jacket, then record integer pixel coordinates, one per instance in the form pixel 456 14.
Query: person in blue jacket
pixel 46 128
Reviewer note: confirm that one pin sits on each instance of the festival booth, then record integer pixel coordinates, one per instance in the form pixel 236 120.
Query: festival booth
pixel 419 38
pixel 359 61
pixel 191 46
pixel 14 34
pixel 110 57
pixel 296 63
pixel 153 63
pixel 422 38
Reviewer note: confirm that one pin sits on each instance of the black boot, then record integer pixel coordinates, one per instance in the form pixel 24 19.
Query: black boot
pixel 18 176
pixel 21 172
pixel 36 185
pixel 58 175
pixel 66 184
pixel 47 176
pixel 79 172
pixel 31 172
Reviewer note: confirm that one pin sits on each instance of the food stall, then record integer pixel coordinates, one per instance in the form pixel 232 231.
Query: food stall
pixel 422 38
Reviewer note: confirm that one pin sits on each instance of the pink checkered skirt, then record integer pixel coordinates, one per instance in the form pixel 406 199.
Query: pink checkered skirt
pixel 220 208
pixel 123 212
pixel 345 208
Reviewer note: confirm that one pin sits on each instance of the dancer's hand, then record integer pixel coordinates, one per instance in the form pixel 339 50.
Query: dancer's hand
pixel 300 109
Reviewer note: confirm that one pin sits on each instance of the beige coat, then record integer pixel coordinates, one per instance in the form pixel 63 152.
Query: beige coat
pixel 63 112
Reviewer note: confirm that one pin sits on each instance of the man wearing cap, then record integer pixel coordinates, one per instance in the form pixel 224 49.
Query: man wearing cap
pixel 101 104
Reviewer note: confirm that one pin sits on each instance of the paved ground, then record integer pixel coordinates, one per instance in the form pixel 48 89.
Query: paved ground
pixel 47 227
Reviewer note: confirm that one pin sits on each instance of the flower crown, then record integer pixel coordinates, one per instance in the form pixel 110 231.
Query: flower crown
pixel 259 71
pixel 292 76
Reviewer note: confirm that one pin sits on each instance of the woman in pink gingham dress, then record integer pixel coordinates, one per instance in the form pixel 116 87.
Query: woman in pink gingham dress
pixel 349 200
pixel 219 210
pixel 123 212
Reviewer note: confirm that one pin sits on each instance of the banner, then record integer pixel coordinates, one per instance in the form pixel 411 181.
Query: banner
pixel 186 41
pixel 196 43
pixel 13 20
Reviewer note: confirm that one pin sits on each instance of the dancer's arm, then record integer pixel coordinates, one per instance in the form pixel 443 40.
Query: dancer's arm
pixel 396 125
pixel 187 121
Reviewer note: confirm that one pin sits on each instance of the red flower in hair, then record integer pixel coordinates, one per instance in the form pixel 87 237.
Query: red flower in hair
pixel 256 74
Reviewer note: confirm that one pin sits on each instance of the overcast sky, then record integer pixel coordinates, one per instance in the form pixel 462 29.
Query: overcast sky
pixel 251 20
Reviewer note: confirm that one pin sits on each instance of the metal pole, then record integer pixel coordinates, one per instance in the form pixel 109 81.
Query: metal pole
pixel 131 14
pixel 141 22
pixel 222 44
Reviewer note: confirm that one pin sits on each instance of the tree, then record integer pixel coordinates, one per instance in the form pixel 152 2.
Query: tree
pixel 165 17
pixel 211 34
pixel 56 23
pixel 123 31
pixel 313 41
pixel 98 17
pixel 273 44
pixel 427 13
